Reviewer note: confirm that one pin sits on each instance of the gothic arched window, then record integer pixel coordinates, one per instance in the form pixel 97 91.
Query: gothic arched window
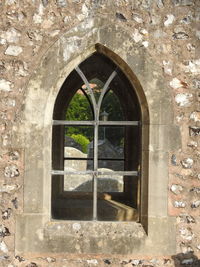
pixel 96 145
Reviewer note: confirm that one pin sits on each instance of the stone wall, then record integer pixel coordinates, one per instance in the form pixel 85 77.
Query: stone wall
pixel 165 29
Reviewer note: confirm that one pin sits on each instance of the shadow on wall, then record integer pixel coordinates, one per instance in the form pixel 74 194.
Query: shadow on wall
pixel 186 260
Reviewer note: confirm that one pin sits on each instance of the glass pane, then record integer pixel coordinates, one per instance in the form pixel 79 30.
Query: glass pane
pixel 109 183
pixel 78 182
pixel 79 108
pixel 73 207
pixel 111 165
pixel 78 141
pixel 127 98
pixel 112 107
pixel 111 142
pixel 96 85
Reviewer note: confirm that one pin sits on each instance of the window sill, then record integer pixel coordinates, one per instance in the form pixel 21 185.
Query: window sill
pixel 35 233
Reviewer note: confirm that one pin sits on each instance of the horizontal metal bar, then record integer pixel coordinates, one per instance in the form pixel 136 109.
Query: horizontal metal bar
pixel 58 172
pixel 111 173
pixel 69 123
pixel 92 123
pixel 131 123
pixel 110 159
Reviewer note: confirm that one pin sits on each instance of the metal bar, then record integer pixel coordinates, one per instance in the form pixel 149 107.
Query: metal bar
pixel 95 173
pixel 110 159
pixel 69 123
pixel 92 123
pixel 123 123
pixel 87 85
pixel 105 88
pixel 96 128
pixel 113 173
pixel 58 172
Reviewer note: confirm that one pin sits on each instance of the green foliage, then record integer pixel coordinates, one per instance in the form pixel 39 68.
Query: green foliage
pixel 82 140
pixel 79 109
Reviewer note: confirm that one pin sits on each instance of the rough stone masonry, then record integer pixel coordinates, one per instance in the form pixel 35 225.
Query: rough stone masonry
pixel 168 31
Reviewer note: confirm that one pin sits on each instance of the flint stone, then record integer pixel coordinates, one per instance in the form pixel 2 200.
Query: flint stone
pixel 5 85
pixel 186 234
pixel 180 36
pixel 183 99
pixel 187 163
pixel 4 231
pixel 183 2
pixel 61 3
pixel 3 247
pixel 9 188
pixel 176 189
pixel 195 116
pixel 179 204
pixel 11 36
pixel 195 204
pixel 13 50
pixel 11 171
pixel 194 131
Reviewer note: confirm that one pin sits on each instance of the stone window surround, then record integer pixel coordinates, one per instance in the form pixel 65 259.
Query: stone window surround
pixel 35 231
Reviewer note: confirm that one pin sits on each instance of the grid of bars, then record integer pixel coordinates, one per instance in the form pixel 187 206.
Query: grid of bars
pixel 96 123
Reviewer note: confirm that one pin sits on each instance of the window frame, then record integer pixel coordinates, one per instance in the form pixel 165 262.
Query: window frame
pixel 96 122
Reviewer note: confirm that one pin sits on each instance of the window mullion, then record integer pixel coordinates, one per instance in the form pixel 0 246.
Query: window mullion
pixel 96 128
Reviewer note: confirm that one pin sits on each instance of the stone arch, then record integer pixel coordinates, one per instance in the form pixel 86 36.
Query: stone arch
pixel 71 49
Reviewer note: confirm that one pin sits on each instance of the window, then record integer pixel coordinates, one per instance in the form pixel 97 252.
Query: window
pixel 96 145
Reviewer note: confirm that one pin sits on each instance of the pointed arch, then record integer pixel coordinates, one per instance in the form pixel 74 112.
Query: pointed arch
pixel 40 233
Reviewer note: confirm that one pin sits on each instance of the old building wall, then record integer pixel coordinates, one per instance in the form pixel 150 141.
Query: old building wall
pixel 166 30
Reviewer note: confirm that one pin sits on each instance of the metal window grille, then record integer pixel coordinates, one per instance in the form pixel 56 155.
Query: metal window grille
pixel 96 123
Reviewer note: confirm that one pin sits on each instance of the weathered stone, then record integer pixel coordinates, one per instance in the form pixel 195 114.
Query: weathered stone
pixel 5 85
pixel 14 155
pixel 169 20
pixel 9 188
pixel 4 231
pixel 183 2
pixel 13 50
pixel 137 36
pixel 176 189
pixel 137 18
pixel 195 204
pixel 186 233
pixel 196 83
pixel 11 171
pixel 45 3
pixel 180 36
pixel 167 66
pixel 176 83
pixel 195 190
pixel 19 258
pixel 32 264
pixel 49 259
pixel 120 16
pixel 174 160
pixel 194 131
pixel 11 35
pixel 183 99
pixel 192 144
pixel 195 116
pixel 93 262
pixel 15 202
pixel 6 214
pixel 3 247
pixel 193 66
pixel 61 3
pixel 187 163
pixel 179 204
pixel 160 3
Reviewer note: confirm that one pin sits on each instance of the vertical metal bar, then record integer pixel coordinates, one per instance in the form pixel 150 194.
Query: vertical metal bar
pixel 96 128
